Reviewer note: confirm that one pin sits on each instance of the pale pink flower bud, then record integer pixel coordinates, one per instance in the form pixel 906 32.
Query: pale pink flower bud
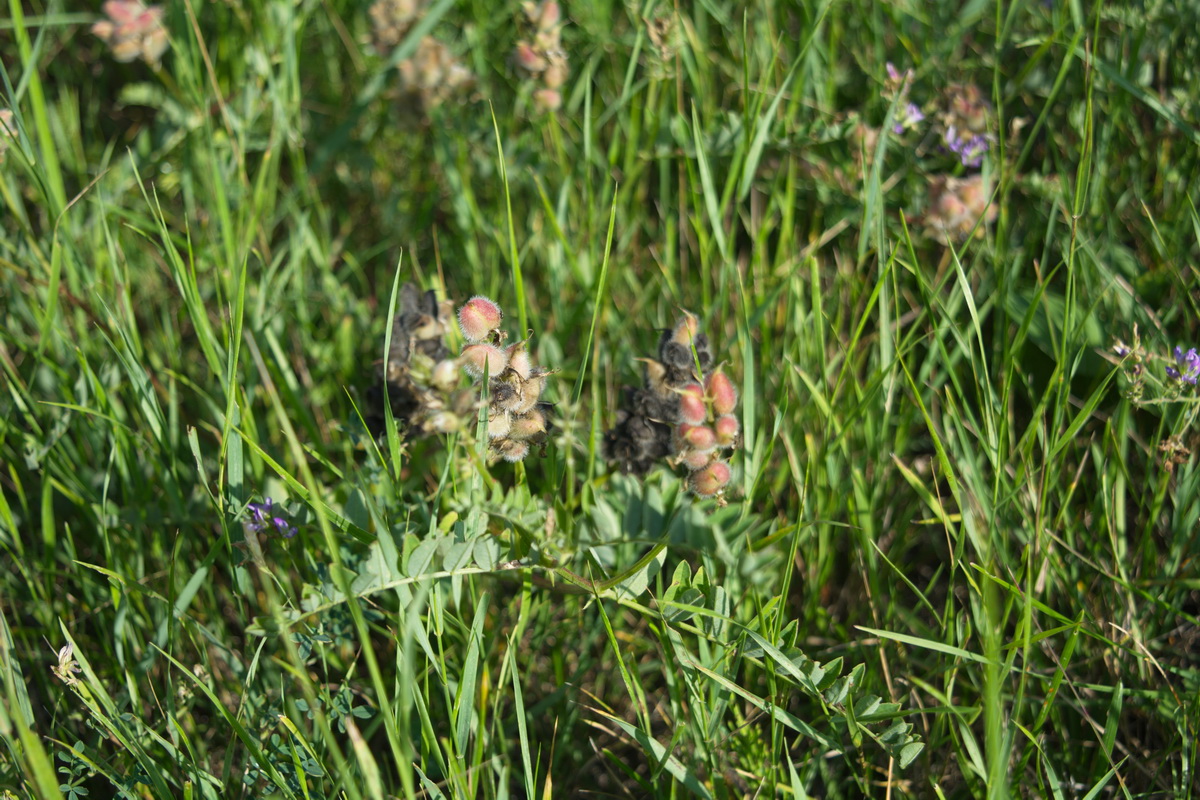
pixel 722 393
pixel 691 405
pixel 698 437
pixel 479 357
pixel 727 430
pixel 479 317
pixel 710 480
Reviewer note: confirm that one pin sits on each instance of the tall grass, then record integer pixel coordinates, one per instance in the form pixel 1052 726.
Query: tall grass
pixel 956 557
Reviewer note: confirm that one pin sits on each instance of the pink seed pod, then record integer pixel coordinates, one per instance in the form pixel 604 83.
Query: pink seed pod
pixel 698 437
pixel 721 392
pixel 477 357
pixel 695 460
pixel 691 405
pixel 529 59
pixel 519 360
pixel 551 13
pixel 479 317
pixel 528 425
pixel 727 430
pixel 547 99
pixel 710 480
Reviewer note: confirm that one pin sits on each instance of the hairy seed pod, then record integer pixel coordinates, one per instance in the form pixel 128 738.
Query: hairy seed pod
pixel 512 450
pixel 710 480
pixel 499 425
pixel 698 437
pixel 519 360
pixel 529 425
pixel 479 317
pixel 691 405
pixel 478 357
pixel 726 429
pixel 722 393
pixel 695 460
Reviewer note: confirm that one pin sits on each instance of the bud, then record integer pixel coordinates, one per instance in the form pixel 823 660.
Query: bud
pixel 478 357
pixel 698 437
pixel 479 317
pixel 691 405
pixel 726 430
pixel 722 393
pixel 710 480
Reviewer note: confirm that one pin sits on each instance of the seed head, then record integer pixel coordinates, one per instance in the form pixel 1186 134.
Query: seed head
pixel 479 317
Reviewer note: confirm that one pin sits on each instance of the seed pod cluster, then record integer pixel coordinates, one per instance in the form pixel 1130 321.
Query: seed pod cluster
pixel 433 74
pixel 543 56
pixel 683 412
pixel 421 377
pixel 133 30
pixel 517 418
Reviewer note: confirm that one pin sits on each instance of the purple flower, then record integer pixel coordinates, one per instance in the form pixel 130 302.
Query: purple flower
pixel 1189 366
pixel 970 149
pixel 908 117
pixel 261 517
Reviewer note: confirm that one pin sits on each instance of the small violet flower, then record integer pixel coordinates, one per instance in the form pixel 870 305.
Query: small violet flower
pixel 907 118
pixel 970 149
pixel 1189 366
pixel 261 517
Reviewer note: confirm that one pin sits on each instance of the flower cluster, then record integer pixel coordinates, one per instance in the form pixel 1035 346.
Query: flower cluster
pixel 956 205
pixel 133 30
pixel 421 377
pixel 1187 369
pixel 965 122
pixel 262 517
pixel 517 419
pixel 543 56
pixel 678 414
pixel 8 130
pixel 896 88
pixel 433 74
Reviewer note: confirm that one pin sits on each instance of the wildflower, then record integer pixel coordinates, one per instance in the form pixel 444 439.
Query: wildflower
pixel 262 517
pixel 907 118
pixel 897 81
pixel 970 149
pixel 66 669
pixel 133 30
pixel 1188 370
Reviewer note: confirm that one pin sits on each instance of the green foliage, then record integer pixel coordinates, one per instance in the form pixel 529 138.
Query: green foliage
pixel 955 558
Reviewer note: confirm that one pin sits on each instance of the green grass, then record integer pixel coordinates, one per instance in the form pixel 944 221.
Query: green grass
pixel 957 554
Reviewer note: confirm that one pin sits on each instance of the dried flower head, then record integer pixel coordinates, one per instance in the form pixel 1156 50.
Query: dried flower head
pixel 433 74
pixel 133 30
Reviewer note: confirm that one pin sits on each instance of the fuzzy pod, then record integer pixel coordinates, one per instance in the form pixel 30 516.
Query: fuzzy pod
pixel 722 393
pixel 692 410
pixel 478 317
pixel 547 99
pixel 443 422
pixel 519 360
pixel 512 450
pixel 710 480
pixel 684 332
pixel 726 429
pixel 549 14
pixel 529 425
pixel 531 390
pixel 478 357
pixel 696 460
pixel 698 437
pixel 499 425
